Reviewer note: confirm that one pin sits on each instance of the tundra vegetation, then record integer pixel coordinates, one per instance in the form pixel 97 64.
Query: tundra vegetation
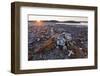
pixel 52 39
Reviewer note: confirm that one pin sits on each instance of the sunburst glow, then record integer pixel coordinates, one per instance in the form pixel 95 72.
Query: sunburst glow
pixel 39 23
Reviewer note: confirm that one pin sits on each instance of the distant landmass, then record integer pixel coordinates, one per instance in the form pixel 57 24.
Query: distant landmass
pixel 56 21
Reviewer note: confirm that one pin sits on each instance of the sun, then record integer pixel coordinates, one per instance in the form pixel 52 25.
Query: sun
pixel 39 23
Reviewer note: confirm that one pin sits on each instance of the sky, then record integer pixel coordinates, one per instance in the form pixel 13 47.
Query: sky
pixel 55 17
